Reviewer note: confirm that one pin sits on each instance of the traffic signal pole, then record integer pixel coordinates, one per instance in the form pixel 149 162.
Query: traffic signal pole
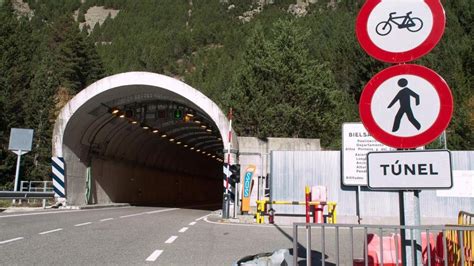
pixel 226 196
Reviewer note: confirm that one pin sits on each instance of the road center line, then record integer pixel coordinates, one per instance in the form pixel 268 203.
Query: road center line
pixel 158 211
pixel 131 215
pixel 83 224
pixel 11 240
pixel 154 255
pixel 192 223
pixel 106 219
pixel 171 240
pixel 182 230
pixel 50 231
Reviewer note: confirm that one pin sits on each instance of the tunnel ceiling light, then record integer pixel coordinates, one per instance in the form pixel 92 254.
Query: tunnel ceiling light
pixel 134 122
pixel 213 156
pixel 198 150
pixel 114 111
pixel 145 126
pixel 164 136
pixel 208 154
pixel 155 131
pixel 185 145
pixel 122 115
pixel 179 142
pixel 209 130
pixel 192 148
pixel 197 121
pixel 203 126
pixel 219 138
pixel 204 152
pixel 189 114
pixel 171 140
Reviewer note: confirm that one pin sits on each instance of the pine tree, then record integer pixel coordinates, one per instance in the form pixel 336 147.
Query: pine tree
pixel 280 91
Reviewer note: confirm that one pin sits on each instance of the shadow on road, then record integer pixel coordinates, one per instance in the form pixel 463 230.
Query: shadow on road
pixel 316 256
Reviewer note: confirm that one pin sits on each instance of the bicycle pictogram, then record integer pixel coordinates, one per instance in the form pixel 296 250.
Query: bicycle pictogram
pixel 412 24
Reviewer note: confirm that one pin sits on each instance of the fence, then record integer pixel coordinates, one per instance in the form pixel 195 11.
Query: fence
pixel 36 186
pixel 354 244
pixel 291 171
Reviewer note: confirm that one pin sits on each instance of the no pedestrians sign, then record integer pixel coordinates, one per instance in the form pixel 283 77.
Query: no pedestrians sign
pixel 406 106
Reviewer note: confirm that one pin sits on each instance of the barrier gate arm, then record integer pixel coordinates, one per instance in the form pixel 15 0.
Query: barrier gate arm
pixel 261 206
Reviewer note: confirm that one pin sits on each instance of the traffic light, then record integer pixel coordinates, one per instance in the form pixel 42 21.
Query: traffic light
pixel 235 173
pixel 178 114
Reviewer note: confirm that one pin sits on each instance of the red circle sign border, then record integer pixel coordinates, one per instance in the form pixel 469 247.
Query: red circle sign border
pixel 439 22
pixel 440 124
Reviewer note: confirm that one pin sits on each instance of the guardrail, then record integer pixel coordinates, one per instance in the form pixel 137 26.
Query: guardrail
pixel 25 195
pixel 455 254
pixel 354 244
pixel 262 208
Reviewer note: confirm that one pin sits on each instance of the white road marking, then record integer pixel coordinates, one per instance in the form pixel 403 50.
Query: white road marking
pixel 131 215
pixel 158 211
pixel 149 212
pixel 50 231
pixel 192 223
pixel 58 212
pixel 201 218
pixel 11 240
pixel 171 240
pixel 154 255
pixel 182 230
pixel 83 224
pixel 106 219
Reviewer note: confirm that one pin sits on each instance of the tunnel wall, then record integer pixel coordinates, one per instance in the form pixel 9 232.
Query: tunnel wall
pixel 117 181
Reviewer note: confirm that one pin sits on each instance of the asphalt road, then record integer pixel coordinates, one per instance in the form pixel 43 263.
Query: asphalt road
pixel 131 236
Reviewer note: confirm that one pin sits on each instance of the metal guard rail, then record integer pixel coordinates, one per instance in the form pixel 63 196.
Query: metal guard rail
pixel 261 207
pixel 25 195
pixel 456 254
pixel 450 243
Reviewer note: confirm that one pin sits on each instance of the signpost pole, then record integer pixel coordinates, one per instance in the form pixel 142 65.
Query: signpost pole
pixel 17 171
pixel 358 205
pixel 417 222
pixel 401 206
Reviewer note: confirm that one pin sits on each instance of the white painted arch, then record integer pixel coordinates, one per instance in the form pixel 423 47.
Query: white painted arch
pixel 158 81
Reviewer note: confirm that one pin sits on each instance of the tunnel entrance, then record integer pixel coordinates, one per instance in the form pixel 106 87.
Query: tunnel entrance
pixel 141 138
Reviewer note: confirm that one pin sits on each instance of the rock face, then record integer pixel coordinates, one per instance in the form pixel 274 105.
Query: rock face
pixel 21 8
pixel 299 9
pixel 94 15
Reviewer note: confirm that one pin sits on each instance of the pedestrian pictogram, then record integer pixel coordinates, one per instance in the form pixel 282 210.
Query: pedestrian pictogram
pixel 397 31
pixel 404 99
pixel 406 106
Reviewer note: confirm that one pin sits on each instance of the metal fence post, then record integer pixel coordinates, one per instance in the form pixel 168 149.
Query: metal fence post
pixel 295 244
pixel 308 244
pixel 44 190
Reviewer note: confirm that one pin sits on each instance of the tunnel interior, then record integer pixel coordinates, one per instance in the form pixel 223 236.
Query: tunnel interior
pixel 142 145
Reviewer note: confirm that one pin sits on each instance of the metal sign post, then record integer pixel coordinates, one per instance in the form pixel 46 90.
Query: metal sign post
pixel 399 32
pixel 20 143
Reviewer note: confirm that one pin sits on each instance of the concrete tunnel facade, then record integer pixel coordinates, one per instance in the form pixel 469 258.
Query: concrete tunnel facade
pixel 143 138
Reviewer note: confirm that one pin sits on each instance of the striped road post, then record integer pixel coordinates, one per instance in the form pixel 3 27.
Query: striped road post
pixel 59 187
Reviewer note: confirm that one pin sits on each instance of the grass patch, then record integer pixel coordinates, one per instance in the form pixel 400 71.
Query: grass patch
pixel 5 203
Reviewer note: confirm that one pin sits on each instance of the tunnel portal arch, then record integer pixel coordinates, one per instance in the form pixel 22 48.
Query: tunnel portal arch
pixel 145 138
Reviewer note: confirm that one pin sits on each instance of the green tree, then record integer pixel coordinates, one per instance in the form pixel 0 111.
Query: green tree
pixel 279 91
pixel 17 48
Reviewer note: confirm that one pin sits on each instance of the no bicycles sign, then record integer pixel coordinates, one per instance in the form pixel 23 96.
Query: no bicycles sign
pixel 398 31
